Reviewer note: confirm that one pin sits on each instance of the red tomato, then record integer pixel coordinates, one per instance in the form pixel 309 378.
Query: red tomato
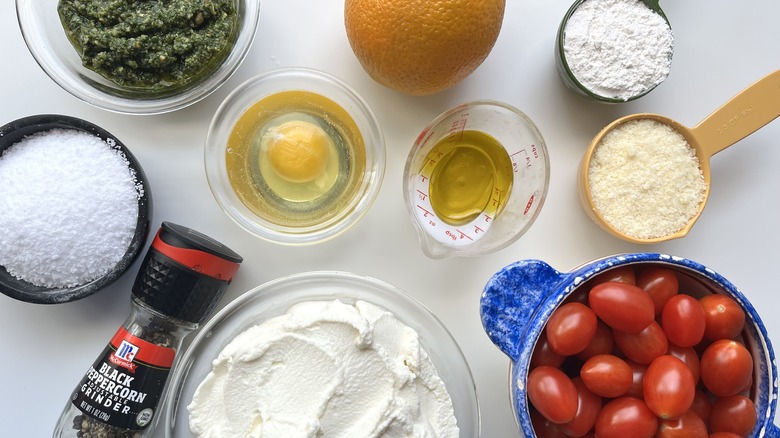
pixel 545 428
pixel 725 435
pixel 621 274
pixel 638 371
pixel 701 405
pixel 683 320
pixel 689 425
pixel 552 393
pixel 602 342
pixel 571 328
pixel 726 368
pixel 725 319
pixel 543 354
pixel 735 414
pixel 622 306
pixel 626 417
pixel 668 387
pixel 660 283
pixel 689 356
pixel 644 346
pixel 606 375
pixel 588 408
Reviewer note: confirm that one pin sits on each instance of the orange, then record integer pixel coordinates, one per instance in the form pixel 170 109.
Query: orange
pixel 421 47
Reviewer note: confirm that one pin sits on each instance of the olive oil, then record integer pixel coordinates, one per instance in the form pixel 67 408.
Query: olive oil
pixel 472 173
pixel 295 158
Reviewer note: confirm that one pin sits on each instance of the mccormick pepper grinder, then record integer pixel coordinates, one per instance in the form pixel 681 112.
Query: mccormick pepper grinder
pixel 183 276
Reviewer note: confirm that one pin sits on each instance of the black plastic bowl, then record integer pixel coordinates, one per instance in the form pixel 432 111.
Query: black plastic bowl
pixel 15 131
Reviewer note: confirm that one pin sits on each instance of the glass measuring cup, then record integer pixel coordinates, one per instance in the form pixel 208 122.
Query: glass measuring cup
pixel 504 217
pixel 568 76
pixel 744 114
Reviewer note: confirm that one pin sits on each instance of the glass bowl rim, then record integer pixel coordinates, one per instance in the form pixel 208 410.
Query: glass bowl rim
pixel 265 84
pixel 52 64
pixel 329 285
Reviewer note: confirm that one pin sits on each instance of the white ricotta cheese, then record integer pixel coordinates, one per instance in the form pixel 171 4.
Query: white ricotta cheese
pixel 324 369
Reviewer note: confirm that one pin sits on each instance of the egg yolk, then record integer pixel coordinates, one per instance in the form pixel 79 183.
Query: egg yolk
pixel 297 150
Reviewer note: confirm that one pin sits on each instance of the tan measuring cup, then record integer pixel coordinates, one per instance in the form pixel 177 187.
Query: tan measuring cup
pixel 744 114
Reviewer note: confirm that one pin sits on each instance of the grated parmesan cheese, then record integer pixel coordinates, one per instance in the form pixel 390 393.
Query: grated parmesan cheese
pixel 645 179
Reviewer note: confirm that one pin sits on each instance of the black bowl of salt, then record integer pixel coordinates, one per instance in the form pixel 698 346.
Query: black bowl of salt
pixel 74 209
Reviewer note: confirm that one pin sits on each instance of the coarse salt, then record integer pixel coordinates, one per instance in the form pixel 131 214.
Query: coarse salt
pixel 68 208
pixel 645 179
pixel 618 49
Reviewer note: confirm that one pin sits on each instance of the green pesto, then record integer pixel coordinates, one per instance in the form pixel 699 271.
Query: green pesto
pixel 153 45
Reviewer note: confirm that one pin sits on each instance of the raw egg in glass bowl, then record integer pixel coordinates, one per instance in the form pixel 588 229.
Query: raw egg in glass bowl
pixel 295 156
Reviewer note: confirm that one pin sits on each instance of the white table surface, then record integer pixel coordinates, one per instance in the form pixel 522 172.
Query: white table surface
pixel 721 46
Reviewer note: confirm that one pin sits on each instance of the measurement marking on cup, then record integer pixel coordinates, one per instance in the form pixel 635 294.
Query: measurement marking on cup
pixel 426 212
pixel 734 121
pixel 516 161
pixel 422 195
pixel 457 234
pixel 529 204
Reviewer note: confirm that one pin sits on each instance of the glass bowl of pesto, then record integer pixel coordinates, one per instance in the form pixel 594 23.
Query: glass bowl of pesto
pixel 135 57
pixel 295 156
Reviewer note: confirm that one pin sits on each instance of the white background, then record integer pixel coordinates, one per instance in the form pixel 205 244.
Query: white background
pixel 721 46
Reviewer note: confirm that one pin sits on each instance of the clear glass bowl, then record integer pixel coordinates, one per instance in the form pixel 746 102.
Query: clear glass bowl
pixel 338 219
pixel 46 39
pixel 275 297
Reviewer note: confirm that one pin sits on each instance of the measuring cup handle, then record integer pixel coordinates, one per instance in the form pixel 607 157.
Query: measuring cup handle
pixel 741 116
pixel 510 299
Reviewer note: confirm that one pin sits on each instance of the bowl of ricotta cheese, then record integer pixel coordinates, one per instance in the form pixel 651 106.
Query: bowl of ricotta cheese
pixel 323 354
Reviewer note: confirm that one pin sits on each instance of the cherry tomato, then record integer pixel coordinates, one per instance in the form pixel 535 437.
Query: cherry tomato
pixel 606 375
pixel 644 346
pixel 622 306
pixel 683 320
pixel 735 414
pixel 689 356
pixel 725 319
pixel 638 371
pixel 552 393
pixel 544 355
pixel 602 342
pixel 725 435
pixel 571 328
pixel 658 282
pixel 668 387
pixel 701 405
pixel 588 408
pixel 726 367
pixel 626 417
pixel 545 428
pixel 621 274
pixel 689 425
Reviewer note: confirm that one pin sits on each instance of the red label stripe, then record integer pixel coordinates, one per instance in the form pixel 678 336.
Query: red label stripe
pixel 147 352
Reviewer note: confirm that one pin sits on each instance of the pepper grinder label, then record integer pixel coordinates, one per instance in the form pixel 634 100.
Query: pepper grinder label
pixel 124 385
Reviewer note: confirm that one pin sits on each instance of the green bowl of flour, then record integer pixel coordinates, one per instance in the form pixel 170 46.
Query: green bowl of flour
pixel 614 51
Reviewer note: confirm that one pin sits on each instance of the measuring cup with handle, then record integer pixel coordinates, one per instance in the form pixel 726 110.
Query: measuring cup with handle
pixel 744 114
pixel 505 216
pixel 518 301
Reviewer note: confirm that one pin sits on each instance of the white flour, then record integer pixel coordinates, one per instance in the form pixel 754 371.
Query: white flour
pixel 618 48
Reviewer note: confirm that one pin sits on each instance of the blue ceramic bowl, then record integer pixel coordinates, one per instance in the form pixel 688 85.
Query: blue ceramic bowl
pixel 519 299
